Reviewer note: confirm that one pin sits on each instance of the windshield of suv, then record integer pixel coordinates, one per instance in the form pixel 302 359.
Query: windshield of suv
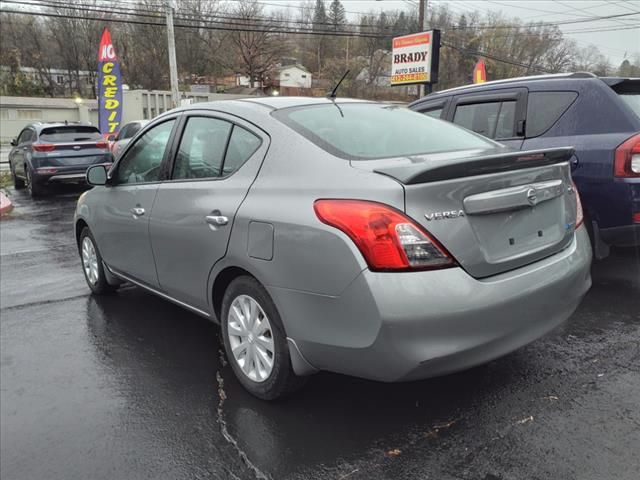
pixel 363 131
pixel 71 133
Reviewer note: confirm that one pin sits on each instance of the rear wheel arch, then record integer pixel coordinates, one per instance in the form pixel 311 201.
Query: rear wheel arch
pixel 220 284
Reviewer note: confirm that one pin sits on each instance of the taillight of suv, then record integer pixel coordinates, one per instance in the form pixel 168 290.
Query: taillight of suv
pixel 44 147
pixel 388 239
pixel 627 159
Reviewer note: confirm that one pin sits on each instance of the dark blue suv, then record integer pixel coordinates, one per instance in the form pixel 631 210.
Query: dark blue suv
pixel 48 153
pixel 598 116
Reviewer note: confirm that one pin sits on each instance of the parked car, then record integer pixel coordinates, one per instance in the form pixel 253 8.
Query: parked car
pixel 126 133
pixel 347 236
pixel 46 153
pixel 599 117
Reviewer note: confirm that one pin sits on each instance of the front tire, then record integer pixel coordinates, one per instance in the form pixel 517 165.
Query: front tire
pixel 255 341
pixel 92 264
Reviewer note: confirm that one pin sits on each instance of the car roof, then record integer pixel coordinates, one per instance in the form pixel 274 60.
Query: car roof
pixel 270 103
pixel 39 126
pixel 524 81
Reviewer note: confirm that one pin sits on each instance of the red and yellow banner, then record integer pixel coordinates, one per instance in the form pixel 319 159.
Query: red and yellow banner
pixel 480 72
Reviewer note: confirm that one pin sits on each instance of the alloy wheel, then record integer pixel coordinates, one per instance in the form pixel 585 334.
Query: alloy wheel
pixel 251 338
pixel 90 261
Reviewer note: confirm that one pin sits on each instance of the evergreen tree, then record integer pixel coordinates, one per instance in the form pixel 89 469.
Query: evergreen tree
pixel 319 16
pixel 337 17
pixel 320 24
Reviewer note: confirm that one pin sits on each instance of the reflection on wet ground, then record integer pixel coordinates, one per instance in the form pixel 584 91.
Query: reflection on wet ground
pixel 131 386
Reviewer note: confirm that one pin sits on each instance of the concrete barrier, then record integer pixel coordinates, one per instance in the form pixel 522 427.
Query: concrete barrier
pixel 5 204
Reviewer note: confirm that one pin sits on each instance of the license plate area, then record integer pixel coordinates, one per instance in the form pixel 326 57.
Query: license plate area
pixel 504 236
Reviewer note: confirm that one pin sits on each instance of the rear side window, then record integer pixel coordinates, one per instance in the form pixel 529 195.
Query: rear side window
pixel 367 131
pixel 544 109
pixel 434 112
pixel 75 133
pixel 242 145
pixel 202 148
pixel 491 119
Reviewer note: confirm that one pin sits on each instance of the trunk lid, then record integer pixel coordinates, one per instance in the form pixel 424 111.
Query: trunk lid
pixel 73 154
pixel 493 210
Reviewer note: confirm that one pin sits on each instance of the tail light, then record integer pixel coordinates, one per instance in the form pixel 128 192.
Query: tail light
pixel 102 144
pixel 627 158
pixel 579 211
pixel 388 240
pixel 44 147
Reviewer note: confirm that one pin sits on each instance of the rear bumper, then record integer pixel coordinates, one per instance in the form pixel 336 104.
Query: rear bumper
pixel 413 325
pixel 625 236
pixel 44 175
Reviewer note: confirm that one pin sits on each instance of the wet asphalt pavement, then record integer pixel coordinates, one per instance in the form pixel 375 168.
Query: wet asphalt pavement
pixel 130 386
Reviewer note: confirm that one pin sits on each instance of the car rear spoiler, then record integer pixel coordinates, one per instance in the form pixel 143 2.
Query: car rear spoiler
pixel 427 170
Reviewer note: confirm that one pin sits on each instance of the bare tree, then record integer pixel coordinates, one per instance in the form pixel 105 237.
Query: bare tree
pixel 254 41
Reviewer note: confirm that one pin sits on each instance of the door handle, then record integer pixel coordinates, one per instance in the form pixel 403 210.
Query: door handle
pixel 217 220
pixel 137 211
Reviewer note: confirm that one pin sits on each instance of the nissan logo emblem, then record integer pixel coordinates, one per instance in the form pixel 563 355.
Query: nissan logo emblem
pixel 532 197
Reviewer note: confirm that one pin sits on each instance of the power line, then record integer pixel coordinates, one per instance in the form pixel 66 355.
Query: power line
pixel 269 20
pixel 216 19
pixel 224 26
pixel 498 59
pixel 139 22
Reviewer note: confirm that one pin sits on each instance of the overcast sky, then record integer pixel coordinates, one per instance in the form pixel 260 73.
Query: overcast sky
pixel 613 43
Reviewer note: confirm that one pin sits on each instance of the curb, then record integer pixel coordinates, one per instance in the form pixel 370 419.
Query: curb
pixel 5 204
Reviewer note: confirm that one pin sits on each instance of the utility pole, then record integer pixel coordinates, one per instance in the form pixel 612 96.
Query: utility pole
pixel 422 20
pixel 173 67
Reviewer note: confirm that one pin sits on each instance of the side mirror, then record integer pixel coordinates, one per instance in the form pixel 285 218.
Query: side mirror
pixel 112 138
pixel 14 142
pixel 97 175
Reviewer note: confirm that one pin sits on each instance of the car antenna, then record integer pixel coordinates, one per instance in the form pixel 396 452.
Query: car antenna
pixel 334 92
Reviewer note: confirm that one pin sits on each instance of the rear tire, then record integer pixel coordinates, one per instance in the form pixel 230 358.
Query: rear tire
pixel 35 190
pixel 18 183
pixel 92 264
pixel 262 363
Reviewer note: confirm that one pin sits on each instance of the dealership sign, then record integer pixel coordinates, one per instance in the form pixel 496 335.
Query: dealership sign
pixel 109 87
pixel 415 58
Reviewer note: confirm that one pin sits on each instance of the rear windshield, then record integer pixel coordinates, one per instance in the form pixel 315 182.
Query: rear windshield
pixel 633 100
pixel 629 92
pixel 370 130
pixel 71 133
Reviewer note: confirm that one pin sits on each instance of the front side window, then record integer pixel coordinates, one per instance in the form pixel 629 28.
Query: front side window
pixel 25 136
pixel 141 163
pixel 364 131
pixel 202 148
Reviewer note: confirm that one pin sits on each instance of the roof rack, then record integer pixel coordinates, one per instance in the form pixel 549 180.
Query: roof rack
pixel 61 122
pixel 520 79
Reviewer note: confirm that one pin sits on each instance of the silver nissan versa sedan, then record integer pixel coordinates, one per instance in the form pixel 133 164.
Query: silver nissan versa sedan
pixel 339 235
